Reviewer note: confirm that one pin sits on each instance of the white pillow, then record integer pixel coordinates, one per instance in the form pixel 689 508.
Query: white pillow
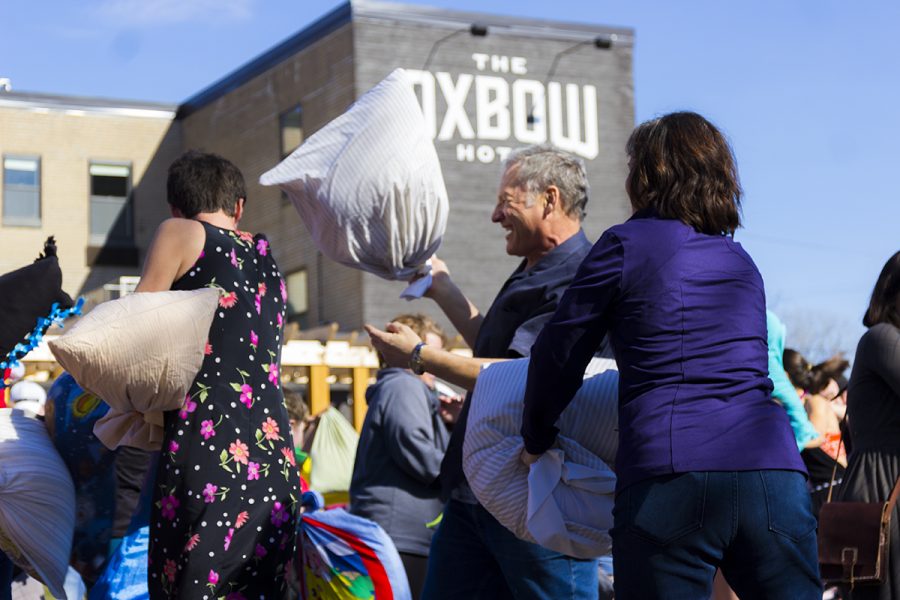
pixel 564 501
pixel 37 500
pixel 140 354
pixel 369 186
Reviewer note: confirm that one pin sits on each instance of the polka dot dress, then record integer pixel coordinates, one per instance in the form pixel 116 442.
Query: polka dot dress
pixel 225 497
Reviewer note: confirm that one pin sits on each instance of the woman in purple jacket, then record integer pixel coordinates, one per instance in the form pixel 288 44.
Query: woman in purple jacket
pixel 709 476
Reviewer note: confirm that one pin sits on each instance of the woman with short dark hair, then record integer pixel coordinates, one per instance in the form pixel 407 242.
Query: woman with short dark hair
pixel 223 521
pixel 709 475
pixel 873 412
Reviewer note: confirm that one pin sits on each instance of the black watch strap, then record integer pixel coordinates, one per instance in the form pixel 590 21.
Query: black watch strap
pixel 416 364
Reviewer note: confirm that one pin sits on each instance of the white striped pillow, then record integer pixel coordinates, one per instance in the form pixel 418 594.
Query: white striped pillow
pixel 37 500
pixel 368 185
pixel 565 501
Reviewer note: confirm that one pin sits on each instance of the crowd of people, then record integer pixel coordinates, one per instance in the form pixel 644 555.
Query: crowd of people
pixel 730 442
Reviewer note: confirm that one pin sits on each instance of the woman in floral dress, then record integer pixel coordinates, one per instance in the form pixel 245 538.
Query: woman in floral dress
pixel 225 496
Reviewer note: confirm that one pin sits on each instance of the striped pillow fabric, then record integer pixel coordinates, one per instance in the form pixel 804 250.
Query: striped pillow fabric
pixel 37 500
pixel 564 501
pixel 369 186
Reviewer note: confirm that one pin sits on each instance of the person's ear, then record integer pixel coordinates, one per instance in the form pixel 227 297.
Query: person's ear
pixel 238 209
pixel 176 212
pixel 551 200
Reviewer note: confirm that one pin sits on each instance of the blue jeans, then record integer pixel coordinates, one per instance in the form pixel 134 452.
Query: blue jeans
pixel 672 532
pixel 6 577
pixel 473 556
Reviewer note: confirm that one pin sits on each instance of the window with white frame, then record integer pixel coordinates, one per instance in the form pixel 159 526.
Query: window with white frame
pixel 111 220
pixel 22 191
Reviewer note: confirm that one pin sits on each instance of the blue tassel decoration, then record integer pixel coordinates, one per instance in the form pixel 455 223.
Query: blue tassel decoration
pixel 33 340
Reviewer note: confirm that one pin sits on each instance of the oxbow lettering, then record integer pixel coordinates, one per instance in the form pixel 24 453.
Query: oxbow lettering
pixel 523 110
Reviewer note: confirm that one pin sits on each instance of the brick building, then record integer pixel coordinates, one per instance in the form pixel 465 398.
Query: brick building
pixel 487 84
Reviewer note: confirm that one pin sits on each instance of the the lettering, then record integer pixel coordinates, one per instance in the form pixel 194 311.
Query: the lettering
pixel 523 110
pixel 484 153
pixel 499 63
pixel 492 100
pixel 455 119
pixel 570 138
pixel 529 111
pixel 423 81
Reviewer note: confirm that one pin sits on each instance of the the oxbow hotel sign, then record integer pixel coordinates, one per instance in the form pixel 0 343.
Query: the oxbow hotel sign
pixel 507 113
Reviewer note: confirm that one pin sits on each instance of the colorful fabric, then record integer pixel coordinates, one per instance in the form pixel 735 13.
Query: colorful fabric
pixel 225 499
pixel 70 414
pixel 345 557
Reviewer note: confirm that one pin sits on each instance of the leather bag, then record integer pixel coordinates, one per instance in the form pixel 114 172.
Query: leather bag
pixel 854 539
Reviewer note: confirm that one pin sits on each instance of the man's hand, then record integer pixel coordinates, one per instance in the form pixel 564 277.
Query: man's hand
pixel 440 279
pixel 450 408
pixel 529 459
pixel 395 344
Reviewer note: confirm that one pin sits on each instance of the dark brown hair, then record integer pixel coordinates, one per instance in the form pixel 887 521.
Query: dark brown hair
pixel 199 182
pixel 884 307
pixel 809 377
pixel 681 167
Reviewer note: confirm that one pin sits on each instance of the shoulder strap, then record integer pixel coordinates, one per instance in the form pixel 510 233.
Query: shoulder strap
pixel 834 469
pixel 894 494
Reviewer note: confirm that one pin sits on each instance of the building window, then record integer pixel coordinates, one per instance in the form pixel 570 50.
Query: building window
pixel 22 191
pixel 298 297
pixel 111 220
pixel 291 127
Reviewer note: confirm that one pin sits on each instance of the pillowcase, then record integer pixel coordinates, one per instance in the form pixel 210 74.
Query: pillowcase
pixel 332 453
pixel 37 500
pixel 139 353
pixel 368 185
pixel 564 501
pixel 340 555
pixel 27 294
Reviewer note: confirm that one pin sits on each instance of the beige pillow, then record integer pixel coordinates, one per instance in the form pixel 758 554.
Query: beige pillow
pixel 37 500
pixel 140 354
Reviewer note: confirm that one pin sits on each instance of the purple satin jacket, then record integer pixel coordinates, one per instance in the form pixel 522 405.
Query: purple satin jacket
pixel 686 316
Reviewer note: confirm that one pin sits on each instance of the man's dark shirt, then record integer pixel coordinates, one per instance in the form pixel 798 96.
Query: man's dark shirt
pixel 524 304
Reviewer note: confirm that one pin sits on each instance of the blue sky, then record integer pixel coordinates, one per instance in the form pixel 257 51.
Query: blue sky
pixel 807 90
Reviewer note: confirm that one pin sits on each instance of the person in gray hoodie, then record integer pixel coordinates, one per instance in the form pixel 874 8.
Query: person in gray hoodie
pixel 399 456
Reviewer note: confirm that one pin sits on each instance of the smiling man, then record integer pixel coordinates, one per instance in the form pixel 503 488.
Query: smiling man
pixel 540 204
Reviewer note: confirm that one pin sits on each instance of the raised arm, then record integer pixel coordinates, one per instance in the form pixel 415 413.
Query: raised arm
pixel 804 432
pixel 175 248
pixel 464 315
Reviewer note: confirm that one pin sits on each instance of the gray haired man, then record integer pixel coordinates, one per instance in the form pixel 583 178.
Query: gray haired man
pixel 540 204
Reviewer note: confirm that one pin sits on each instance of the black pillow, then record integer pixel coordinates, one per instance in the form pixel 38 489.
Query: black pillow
pixel 27 294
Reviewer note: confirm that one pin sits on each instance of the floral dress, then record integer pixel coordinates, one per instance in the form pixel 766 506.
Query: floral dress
pixel 225 496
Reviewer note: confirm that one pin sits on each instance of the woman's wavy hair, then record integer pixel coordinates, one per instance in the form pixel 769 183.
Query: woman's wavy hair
pixel 681 167
pixel 884 307
pixel 809 377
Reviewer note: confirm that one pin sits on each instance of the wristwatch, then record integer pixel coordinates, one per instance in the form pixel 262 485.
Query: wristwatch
pixel 416 365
